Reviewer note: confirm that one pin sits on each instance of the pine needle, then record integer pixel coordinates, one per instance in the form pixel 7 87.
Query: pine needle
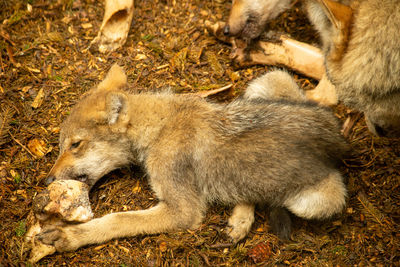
pixel 369 209
pixel 5 116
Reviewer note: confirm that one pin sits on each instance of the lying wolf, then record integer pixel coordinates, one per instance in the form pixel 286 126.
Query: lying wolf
pixel 251 151
pixel 361 46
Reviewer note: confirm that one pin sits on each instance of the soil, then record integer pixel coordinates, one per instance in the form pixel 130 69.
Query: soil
pixel 45 65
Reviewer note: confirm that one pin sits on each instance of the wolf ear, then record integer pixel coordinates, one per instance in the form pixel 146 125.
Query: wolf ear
pixel 341 17
pixel 115 78
pixel 117 108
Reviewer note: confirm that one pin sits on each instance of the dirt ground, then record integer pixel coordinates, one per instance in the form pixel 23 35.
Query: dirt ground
pixel 45 66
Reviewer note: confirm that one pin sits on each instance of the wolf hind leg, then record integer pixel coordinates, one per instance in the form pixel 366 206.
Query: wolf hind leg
pixel 274 85
pixel 320 201
pixel 280 222
pixel 240 222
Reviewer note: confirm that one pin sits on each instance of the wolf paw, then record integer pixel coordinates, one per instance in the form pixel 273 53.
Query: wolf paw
pixel 62 238
pixel 239 226
pixel 280 223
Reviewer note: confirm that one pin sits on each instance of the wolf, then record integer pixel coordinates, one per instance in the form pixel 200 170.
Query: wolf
pixel 360 46
pixel 251 151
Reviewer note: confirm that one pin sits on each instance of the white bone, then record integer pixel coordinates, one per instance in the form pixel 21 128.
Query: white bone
pixel 115 26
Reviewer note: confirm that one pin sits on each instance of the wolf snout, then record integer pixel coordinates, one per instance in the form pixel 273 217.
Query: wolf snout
pixel 226 30
pixel 50 179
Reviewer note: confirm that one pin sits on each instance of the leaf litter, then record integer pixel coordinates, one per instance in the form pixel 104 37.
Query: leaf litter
pixel 45 65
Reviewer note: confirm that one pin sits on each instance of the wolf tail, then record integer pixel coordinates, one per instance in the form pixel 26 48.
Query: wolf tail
pixel 275 85
pixel 320 201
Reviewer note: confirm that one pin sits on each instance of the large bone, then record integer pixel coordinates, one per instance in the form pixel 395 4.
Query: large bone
pixel 115 26
pixel 63 202
pixel 293 54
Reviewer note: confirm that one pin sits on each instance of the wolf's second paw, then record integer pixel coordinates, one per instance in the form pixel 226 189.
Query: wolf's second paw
pixel 62 238
pixel 280 222
pixel 239 227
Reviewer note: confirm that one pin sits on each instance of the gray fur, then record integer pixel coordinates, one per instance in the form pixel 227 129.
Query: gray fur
pixel 366 73
pixel 195 153
pixel 367 77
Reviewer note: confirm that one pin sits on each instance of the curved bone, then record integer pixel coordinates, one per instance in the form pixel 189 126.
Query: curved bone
pixel 115 26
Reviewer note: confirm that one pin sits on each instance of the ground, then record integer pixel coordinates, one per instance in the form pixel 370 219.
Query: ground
pixel 45 66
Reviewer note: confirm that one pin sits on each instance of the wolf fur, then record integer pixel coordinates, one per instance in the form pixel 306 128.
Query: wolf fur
pixel 275 85
pixel 248 17
pixel 251 151
pixel 361 48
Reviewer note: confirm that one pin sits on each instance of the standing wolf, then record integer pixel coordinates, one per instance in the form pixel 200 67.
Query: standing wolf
pixel 251 151
pixel 361 45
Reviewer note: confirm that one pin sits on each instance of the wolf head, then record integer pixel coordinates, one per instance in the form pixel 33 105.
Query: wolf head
pixel 248 18
pixel 92 139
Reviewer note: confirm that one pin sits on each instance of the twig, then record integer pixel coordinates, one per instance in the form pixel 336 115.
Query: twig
pixel 212 92
pixel 162 66
pixel 369 207
pixel 19 143
pixel 221 245
pixel 349 124
pixel 205 258
pixel 6 36
pixel 11 55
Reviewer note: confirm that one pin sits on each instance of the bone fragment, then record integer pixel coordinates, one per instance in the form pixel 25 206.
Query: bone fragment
pixel 296 55
pixel 115 26
pixel 293 54
pixel 63 202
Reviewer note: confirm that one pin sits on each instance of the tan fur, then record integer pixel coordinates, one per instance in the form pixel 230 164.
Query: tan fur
pixel 330 192
pixel 247 18
pixel 276 85
pixel 367 75
pixel 324 93
pixel 240 222
pixel 251 151
pixel 115 79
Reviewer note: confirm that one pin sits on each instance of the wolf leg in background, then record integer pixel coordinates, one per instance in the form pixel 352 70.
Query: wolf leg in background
pixel 363 58
pixel 195 153
pixel 360 47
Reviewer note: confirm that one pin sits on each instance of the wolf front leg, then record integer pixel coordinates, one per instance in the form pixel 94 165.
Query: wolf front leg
pixel 163 217
pixel 240 222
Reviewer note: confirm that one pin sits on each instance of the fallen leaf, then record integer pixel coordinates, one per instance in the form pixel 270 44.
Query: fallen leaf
pixel 214 63
pixel 38 99
pixel 163 246
pixel 87 25
pixel 140 57
pixel 55 37
pixel 37 147
pixel 178 61
pixel 33 69
pixel 126 250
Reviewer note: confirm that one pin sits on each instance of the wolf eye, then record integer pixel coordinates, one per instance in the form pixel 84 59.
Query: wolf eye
pixel 75 144
pixel 82 178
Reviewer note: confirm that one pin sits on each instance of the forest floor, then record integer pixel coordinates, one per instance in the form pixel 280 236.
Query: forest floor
pixel 45 67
